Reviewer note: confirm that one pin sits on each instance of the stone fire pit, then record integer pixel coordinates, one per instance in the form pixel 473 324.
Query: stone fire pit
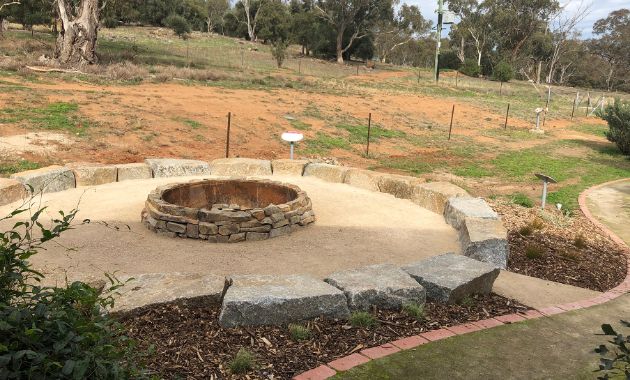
pixel 227 211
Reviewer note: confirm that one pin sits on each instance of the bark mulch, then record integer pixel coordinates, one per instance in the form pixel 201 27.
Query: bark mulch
pixel 188 342
pixel 554 247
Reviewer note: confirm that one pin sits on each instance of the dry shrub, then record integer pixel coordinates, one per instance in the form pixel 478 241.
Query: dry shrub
pixel 10 63
pixel 125 71
pixel 188 73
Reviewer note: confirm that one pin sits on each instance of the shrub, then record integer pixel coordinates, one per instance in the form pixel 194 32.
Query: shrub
pixel 244 361
pixel 55 332
pixel 470 68
pixel 279 51
pixel 618 117
pixel 534 251
pixel 180 26
pixel 299 332
pixel 522 200
pixel 537 224
pixel 362 319
pixel 414 310
pixel 614 363
pixel 503 72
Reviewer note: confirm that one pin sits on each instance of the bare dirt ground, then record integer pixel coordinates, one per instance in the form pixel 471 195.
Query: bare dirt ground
pixel 347 234
pixel 137 121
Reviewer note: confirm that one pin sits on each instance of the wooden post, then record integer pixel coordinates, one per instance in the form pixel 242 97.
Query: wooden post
pixel 242 59
pixel 456 78
pixel 357 69
pixel 227 141
pixel 418 74
pixel 299 66
pixel 588 104
pixel 450 129
pixel 367 149
pixel 501 89
pixel 574 104
pixel 507 113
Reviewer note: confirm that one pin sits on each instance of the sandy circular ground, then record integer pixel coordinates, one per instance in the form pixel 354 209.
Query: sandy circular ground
pixel 354 227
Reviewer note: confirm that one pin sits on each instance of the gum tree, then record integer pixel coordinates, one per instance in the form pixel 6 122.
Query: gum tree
pixel 76 42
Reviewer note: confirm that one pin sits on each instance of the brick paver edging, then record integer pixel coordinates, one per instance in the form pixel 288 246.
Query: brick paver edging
pixel 359 358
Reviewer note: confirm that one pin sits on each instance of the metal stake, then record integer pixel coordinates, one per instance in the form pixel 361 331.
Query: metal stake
pixel 450 129
pixel 507 113
pixel 544 195
pixel 291 149
pixel 367 149
pixel 227 142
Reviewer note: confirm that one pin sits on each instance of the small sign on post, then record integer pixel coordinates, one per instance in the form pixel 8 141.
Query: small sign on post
pixel 292 137
pixel 546 180
pixel 538 111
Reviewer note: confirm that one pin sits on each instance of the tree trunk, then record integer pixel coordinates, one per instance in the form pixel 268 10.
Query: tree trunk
pixel 339 46
pixel 76 44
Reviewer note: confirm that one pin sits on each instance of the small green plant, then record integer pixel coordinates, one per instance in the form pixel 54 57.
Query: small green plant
pixel 534 251
pixel 526 230
pixel 522 200
pixel 579 242
pixel 414 310
pixel 470 68
pixel 18 166
pixel 300 125
pixel 615 363
pixel 468 301
pixel 362 319
pixel 299 332
pixel 570 254
pixel 194 124
pixel 503 72
pixel 244 361
pixel 279 51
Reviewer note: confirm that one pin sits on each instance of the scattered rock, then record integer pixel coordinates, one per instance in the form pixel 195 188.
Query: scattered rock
pixel 397 185
pixel 11 191
pixel 434 195
pixel 87 174
pixel 364 179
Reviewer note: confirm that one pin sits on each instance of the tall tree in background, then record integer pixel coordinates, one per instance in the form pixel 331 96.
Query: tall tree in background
pixel 4 5
pixel 393 32
pixel 32 12
pixel 350 16
pixel 76 42
pixel 474 23
pixel 216 9
pixel 613 45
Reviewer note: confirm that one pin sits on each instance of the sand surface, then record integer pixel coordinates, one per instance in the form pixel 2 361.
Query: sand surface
pixel 354 227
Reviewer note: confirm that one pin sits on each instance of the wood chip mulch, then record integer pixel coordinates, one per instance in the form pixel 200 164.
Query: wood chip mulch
pixel 572 250
pixel 189 344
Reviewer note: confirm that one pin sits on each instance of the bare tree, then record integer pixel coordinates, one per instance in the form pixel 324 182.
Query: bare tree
pixel 251 19
pixel 563 28
pixel 5 3
pixel 76 43
pixel 390 34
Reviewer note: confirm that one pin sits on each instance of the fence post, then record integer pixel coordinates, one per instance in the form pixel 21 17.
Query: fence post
pixel 450 129
pixel 227 141
pixel 507 113
pixel 367 149
pixel 574 104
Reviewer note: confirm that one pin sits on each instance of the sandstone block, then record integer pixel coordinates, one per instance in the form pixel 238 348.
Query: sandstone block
pixel 384 286
pixel 459 208
pixel 397 185
pixel 87 174
pixel 450 277
pixel 328 173
pixel 485 240
pixel 277 300
pixel 288 167
pixel 434 195
pixel 47 180
pixel 364 179
pixel 11 191
pixel 170 167
pixel 133 171
pixel 240 167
